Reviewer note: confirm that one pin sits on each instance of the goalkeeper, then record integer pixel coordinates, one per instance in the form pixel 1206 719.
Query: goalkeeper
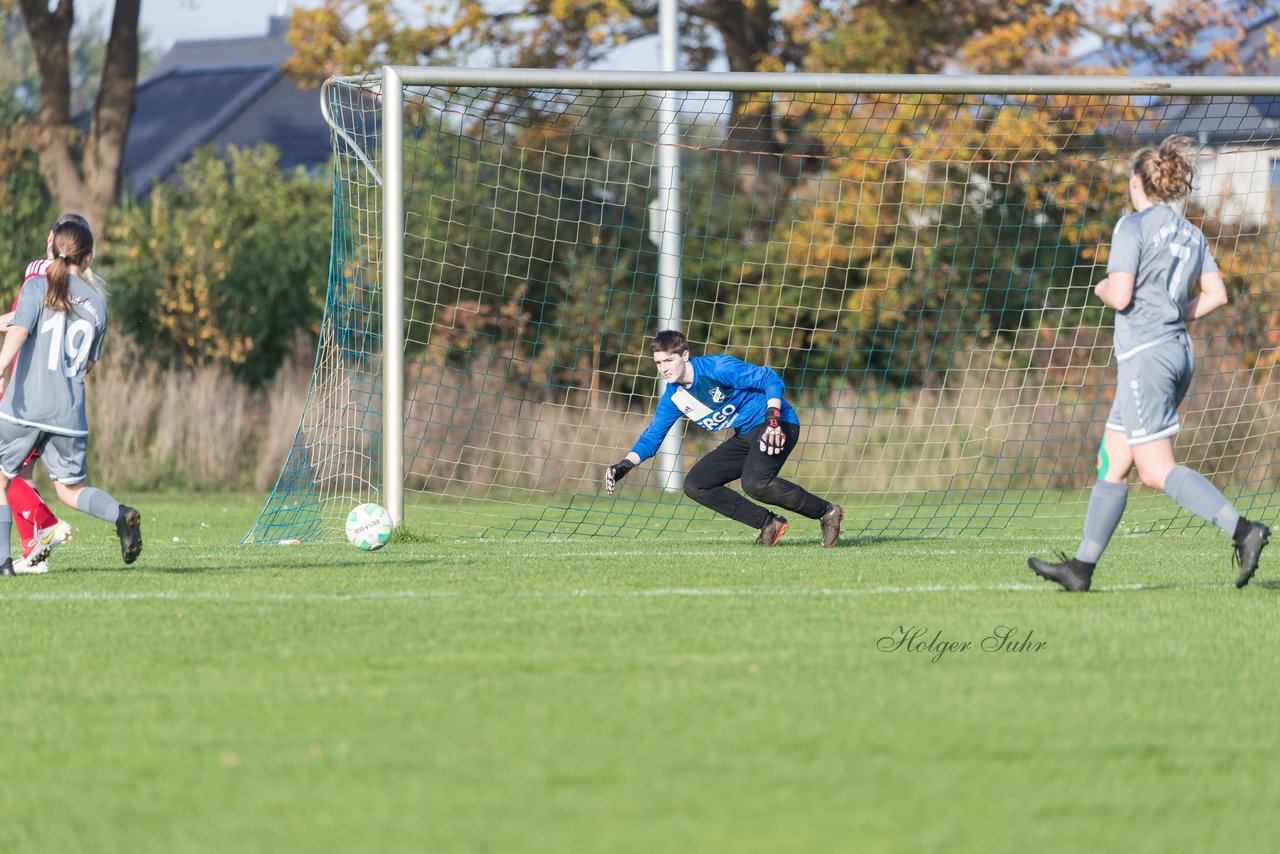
pixel 719 393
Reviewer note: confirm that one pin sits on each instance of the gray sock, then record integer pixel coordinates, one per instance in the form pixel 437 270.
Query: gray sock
pixel 97 503
pixel 6 532
pixel 1195 493
pixel 1106 506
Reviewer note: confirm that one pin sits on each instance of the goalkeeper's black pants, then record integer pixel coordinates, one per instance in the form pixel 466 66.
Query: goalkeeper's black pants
pixel 739 458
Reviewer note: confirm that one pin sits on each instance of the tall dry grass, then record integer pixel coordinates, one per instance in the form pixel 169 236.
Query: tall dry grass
pixel 200 429
pixel 473 431
pixel 985 426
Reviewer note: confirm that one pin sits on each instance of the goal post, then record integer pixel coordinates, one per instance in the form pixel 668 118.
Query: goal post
pixel 914 254
pixel 393 296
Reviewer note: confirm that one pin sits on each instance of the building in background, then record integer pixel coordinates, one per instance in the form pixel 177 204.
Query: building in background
pixel 222 92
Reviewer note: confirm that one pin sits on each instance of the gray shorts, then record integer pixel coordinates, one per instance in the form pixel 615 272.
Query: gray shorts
pixel 64 456
pixel 1150 385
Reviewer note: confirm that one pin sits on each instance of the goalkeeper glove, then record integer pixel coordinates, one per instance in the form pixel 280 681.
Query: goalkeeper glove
pixel 615 473
pixel 772 439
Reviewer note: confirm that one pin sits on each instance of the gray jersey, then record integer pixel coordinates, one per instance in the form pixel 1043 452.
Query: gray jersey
pixel 1167 256
pixel 47 386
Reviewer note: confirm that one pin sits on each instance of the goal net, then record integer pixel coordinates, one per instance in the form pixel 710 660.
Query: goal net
pixel 915 257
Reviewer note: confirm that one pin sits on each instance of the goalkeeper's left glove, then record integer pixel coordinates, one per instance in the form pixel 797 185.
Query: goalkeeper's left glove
pixel 773 439
pixel 615 473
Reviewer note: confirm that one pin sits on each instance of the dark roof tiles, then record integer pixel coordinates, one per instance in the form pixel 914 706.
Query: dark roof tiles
pixel 221 92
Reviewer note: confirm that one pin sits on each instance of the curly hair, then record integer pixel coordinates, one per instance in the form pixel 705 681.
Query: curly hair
pixel 1166 172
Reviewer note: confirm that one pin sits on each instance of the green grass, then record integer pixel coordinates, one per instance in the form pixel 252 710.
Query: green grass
pixel 628 695
pixel 652 514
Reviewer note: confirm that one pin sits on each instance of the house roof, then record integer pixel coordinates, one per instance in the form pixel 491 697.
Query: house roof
pixel 1223 119
pixel 1216 119
pixel 221 92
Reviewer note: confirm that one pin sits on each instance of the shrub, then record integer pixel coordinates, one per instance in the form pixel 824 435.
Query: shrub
pixel 226 267
pixel 28 213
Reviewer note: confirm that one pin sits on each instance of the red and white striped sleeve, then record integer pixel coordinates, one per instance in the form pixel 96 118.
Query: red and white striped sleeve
pixel 37 268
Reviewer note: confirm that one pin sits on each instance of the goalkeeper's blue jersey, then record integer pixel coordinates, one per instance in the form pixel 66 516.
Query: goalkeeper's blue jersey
pixel 726 392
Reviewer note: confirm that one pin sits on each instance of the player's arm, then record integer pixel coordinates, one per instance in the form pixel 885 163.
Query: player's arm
pixel 1212 296
pixel 4 321
pixel 1116 290
pixel 14 338
pixel 26 311
pixel 13 341
pixel 664 417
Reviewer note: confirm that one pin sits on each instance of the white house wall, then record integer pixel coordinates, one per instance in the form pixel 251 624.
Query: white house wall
pixel 1235 184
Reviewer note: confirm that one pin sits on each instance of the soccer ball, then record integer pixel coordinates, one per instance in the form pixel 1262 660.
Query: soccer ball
pixel 369 526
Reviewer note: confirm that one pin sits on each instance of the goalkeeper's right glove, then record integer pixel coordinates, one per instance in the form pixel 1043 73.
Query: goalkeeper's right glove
pixel 772 439
pixel 615 473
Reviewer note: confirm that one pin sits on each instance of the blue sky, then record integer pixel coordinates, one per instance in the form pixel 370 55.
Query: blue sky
pixel 167 21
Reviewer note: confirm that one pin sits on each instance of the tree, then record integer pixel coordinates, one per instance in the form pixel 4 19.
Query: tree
pixel 547 220
pixel 228 267
pixel 27 211
pixel 766 133
pixel 82 169
pixel 872 36
pixel 23 196
pixel 1131 36
pixel 19 75
pixel 934 231
pixel 858 224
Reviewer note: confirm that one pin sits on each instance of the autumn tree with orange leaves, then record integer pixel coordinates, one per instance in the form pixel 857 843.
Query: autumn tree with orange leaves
pixel 859 225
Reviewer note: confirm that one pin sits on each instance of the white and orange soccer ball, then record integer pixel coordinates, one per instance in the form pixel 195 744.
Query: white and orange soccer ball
pixel 369 527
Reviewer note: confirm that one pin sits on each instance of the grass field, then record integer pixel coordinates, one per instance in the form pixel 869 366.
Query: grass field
pixel 678 694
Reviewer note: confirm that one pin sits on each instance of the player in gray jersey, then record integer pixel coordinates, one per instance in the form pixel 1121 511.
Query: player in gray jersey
pixel 39 530
pixel 1159 276
pixel 56 336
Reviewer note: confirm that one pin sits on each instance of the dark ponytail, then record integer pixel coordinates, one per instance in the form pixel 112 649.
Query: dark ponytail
pixel 72 243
